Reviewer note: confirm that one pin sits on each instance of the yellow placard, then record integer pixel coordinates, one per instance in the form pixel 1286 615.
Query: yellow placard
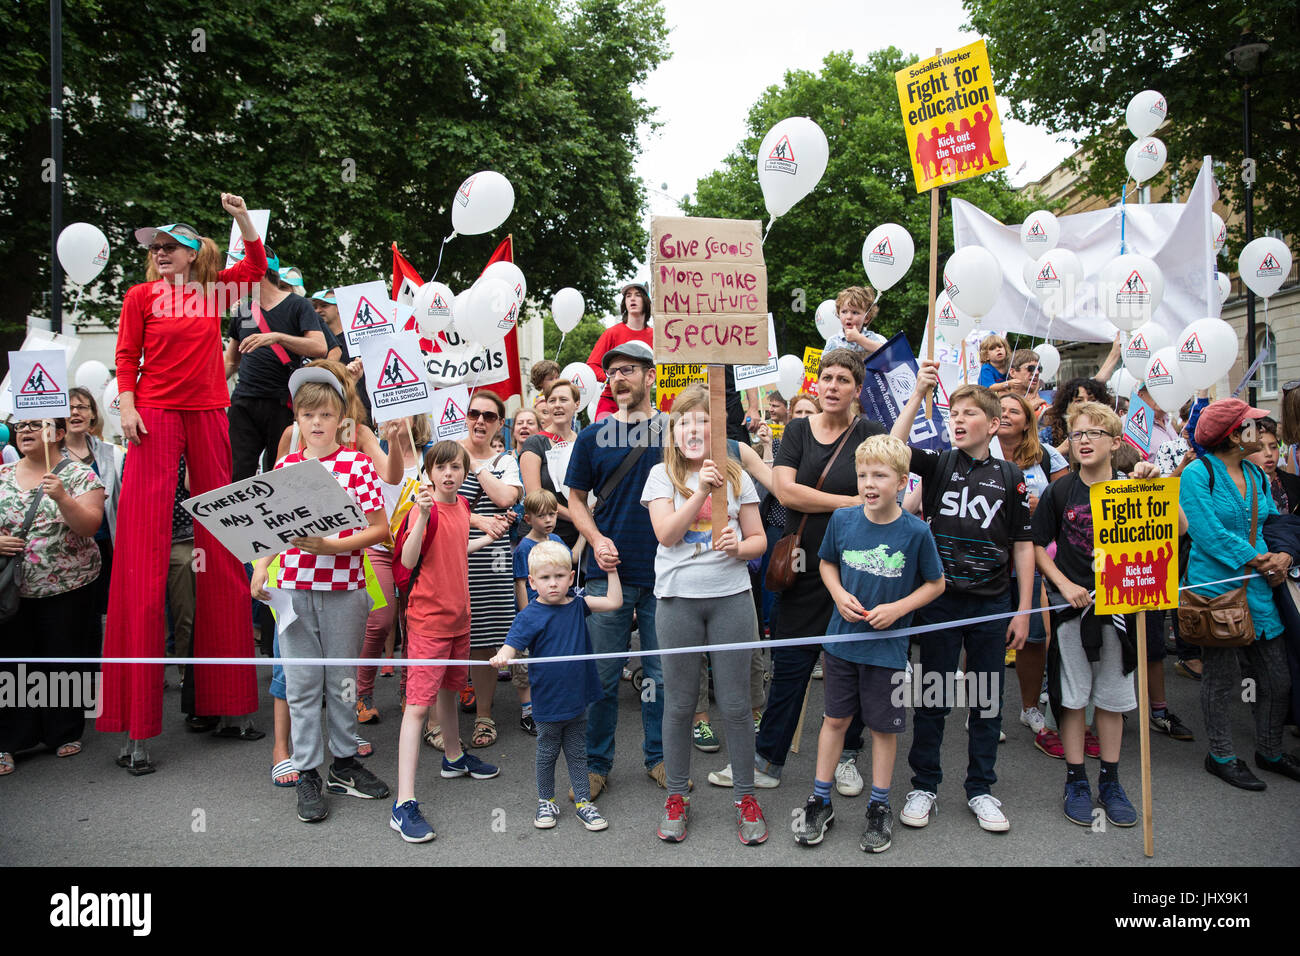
pixel 812 360
pixel 1135 544
pixel 670 380
pixel 950 117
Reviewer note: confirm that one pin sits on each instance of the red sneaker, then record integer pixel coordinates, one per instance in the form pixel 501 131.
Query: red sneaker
pixel 752 828
pixel 1091 745
pixel 672 826
pixel 1049 743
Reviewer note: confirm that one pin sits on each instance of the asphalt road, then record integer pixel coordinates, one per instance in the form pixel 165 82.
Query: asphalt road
pixel 211 803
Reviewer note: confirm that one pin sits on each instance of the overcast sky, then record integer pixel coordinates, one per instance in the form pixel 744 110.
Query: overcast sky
pixel 726 52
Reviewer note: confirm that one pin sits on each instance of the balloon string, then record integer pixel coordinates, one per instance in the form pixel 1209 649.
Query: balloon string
pixel 440 249
pixel 769 229
pixel 1123 197
pixel 559 347
pixel 76 303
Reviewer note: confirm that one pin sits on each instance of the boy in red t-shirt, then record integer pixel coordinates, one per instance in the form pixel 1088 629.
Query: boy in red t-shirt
pixel 436 534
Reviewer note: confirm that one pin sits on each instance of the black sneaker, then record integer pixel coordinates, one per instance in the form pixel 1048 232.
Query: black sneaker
pixel 1235 773
pixel 880 827
pixel 356 781
pixel 311 802
pixel 1170 725
pixel 528 725
pixel 818 815
pixel 1287 765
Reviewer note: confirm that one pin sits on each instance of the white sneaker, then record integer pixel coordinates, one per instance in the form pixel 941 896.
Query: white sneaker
pixel 817 673
pixel 848 781
pixel 917 810
pixel 722 778
pixel 1034 720
pixel 985 807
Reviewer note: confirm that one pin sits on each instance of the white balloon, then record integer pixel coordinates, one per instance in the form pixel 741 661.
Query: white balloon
pixel 972 278
pixel 1057 280
pixel 1145 342
pixel 482 203
pixel 111 406
pixel 791 161
pixel 1220 232
pixel 887 254
pixel 1206 350
pixel 1049 361
pixel 791 371
pixel 460 311
pixel 1130 289
pixel 1264 264
pixel 581 375
pixel 1027 273
pixel 1039 233
pixel 828 321
pixel 1145 158
pixel 567 308
pixel 950 323
pixel 1123 383
pixel 433 308
pixel 492 311
pixel 83 252
pixel 1146 111
pixel 511 275
pixel 1225 286
pixel 1164 381
pixel 92 376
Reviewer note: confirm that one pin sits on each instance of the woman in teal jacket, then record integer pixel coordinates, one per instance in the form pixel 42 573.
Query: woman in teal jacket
pixel 1216 496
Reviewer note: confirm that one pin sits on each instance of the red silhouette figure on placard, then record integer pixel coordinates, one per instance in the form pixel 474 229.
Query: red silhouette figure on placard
pixel 1161 567
pixel 1110 578
pixel 981 136
pixel 1125 590
pixel 925 155
pixel 965 137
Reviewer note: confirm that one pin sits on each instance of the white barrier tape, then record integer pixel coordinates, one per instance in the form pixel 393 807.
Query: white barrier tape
pixel 609 655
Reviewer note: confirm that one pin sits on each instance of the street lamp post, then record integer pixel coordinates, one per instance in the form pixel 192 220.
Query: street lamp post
pixel 1246 58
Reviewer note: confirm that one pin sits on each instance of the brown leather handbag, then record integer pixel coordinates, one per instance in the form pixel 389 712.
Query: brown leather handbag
pixel 781 568
pixel 1223 620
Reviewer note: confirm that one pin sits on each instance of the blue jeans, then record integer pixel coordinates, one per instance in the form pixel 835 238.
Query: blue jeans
pixel 278 688
pixel 611 631
pixel 985 646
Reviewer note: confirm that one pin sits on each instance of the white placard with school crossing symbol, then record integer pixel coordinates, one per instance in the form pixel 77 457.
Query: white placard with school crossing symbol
pixel 40 384
pixel 395 378
pixel 365 310
pixel 449 407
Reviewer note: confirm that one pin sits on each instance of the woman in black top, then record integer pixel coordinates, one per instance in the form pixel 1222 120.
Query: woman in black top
pixel 534 467
pixel 805 607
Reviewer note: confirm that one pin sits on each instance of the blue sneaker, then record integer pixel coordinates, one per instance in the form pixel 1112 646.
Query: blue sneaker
pixel 1078 802
pixel 590 816
pixel 410 823
pixel 468 765
pixel 1119 809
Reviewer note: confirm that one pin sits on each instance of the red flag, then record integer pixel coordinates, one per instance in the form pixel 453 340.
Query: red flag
pixel 515 385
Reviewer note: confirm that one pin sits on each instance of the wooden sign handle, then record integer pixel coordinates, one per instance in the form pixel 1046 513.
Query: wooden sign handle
pixel 934 275
pixel 718 444
pixel 1144 736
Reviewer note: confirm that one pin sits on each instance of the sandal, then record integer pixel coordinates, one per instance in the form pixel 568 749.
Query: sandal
pixel 235 732
pixel 485 732
pixel 6 764
pixel 69 749
pixel 284 769
pixel 433 737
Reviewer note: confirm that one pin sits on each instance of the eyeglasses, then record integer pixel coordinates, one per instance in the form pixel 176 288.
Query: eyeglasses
pixel 491 418
pixel 626 371
pixel 28 426
pixel 1028 368
pixel 167 247
pixel 1092 434
pixel 80 408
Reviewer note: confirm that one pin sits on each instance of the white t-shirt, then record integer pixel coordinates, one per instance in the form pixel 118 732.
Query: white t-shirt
pixel 691 568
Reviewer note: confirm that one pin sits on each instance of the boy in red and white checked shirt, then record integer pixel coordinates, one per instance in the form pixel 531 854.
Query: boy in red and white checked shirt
pixel 326 580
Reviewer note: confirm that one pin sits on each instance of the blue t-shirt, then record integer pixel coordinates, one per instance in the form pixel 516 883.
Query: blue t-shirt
pixel 563 690
pixel 989 375
pixel 521 560
pixel 597 452
pixel 879 564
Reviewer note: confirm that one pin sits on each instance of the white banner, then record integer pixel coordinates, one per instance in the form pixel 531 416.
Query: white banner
pixel 454 364
pixel 259 516
pixel 40 384
pixel 1176 236
pixel 365 310
pixel 395 378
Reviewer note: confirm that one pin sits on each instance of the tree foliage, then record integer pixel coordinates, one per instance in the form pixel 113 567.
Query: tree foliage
pixel 577 344
pixel 1074 66
pixel 815 250
pixel 353 122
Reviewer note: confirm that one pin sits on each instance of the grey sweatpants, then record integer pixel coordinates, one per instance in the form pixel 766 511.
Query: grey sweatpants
pixel 687 622
pixel 1263 662
pixel 329 624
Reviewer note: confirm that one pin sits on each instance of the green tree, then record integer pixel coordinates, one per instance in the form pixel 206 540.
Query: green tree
pixel 577 344
pixel 816 248
pixel 1074 66
pixel 353 122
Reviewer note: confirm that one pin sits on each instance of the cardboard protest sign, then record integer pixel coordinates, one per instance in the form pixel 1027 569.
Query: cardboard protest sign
pixel 261 222
pixel 889 382
pixel 950 117
pixel 1135 544
pixel 259 516
pixel 672 380
pixel 1137 426
pixel 752 376
pixel 365 310
pixel 449 407
pixel 708 288
pixel 395 378
pixel 812 360
pixel 40 384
